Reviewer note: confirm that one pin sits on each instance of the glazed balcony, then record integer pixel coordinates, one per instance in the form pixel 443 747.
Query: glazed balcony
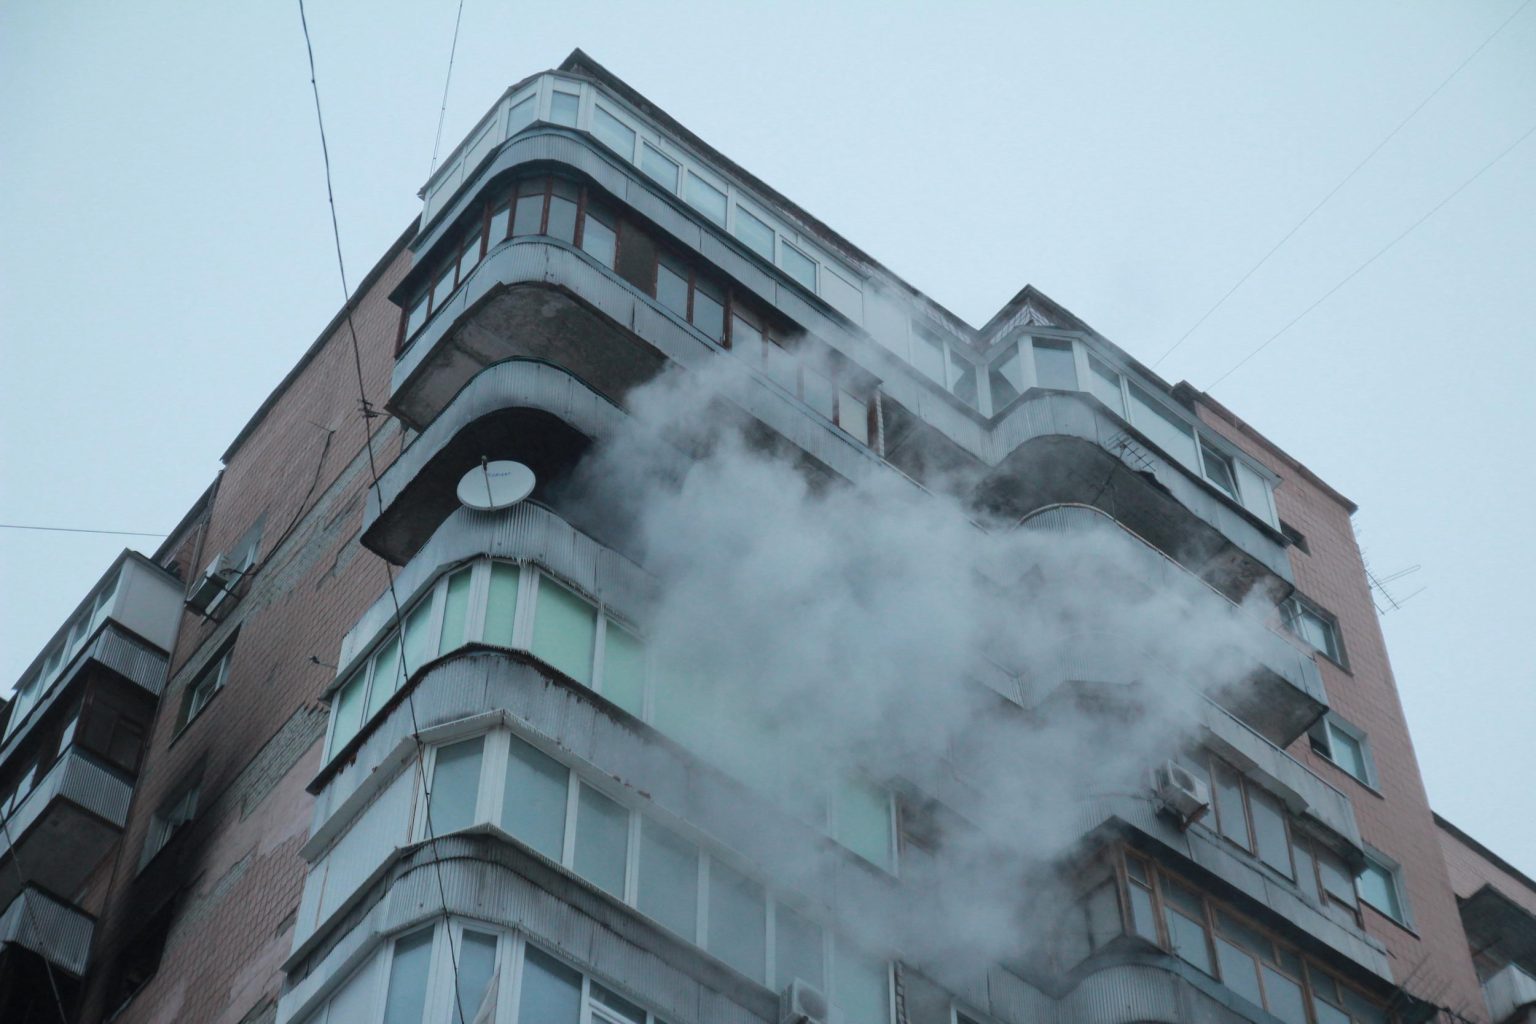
pixel 1511 996
pixel 60 830
pixel 56 931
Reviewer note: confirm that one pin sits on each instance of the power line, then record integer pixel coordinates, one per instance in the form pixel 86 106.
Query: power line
pixel 1377 255
pixel 442 112
pixel 1345 181
pixel 76 529
pixel 373 472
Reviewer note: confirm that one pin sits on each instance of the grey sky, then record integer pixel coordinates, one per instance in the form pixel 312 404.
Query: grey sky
pixel 168 253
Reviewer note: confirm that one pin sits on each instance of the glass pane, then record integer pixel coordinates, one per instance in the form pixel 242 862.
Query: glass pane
pixel 747 340
pixel 1006 378
pixel 470 256
pixel 1306 871
pixel 1165 430
pixel 1104 384
pixel 1218 469
pixel 1361 1009
pixel 705 198
pixel 444 286
pixel 602 841
pixel 680 704
pixel 820 393
pixel 669 880
pixel 1284 997
pixel 781 367
pixel 598 237
pixel 738 921
pixel 1143 920
pixel 860 987
pixel 528 217
pixel 562 211
pixel 613 133
pixel 798 265
pixel 709 309
pixel 1187 936
pixel 1183 897
pixel 551 991
pixel 1269 830
pixel 757 235
pixel 563 107
pixel 1347 752
pixel 658 166
pixel 1327 1014
pixel 533 803
pixel 1239 971
pixel 864 821
pixel 455 787
pixel 386 670
pixel 928 355
pixel 624 669
pixel 501 604
pixel 418 638
pixel 962 378
pixel 616 1005
pixel 477 962
pixel 407 997
pixel 672 286
pixel 1055 366
pixel 1229 805
pixel 853 414
pixel 520 115
pixel 1336 880
pixel 349 710
pixel 1379 889
pixel 501 222
pixel 1245 935
pixel 416 317
pixel 564 631
pixel 455 611
pixel 797 949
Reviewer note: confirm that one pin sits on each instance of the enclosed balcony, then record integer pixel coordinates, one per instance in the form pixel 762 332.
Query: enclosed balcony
pixel 44 943
pixel 1511 996
pixel 64 825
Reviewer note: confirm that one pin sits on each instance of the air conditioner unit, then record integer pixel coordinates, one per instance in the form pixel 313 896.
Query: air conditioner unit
pixel 1181 793
pixel 801 1003
pixel 215 585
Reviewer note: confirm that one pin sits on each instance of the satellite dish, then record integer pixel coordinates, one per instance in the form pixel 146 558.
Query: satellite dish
pixel 492 486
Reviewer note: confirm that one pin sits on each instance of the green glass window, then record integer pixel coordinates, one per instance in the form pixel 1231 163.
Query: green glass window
pixel 455 786
pixel 669 879
pixel 624 669
pixel 564 630
pixel 386 671
pixel 602 840
pixel 418 637
pixel 455 611
pixel 864 821
pixel 407 995
pixel 738 921
pixel 533 802
pixel 349 710
pixel 501 604
pixel 476 965
pixel 550 992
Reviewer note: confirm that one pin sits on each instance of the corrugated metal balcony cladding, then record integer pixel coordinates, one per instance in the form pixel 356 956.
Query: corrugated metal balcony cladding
pixel 50 928
pixel 65 825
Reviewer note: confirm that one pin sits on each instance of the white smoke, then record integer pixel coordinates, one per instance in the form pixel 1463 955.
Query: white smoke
pixel 832 629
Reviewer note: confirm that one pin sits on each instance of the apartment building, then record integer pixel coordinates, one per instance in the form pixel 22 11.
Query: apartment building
pixel 348 748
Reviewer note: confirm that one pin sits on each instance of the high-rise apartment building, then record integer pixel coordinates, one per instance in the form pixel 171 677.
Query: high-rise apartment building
pixel 846 663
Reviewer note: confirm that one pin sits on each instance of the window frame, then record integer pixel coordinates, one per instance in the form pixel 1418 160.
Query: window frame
pixel 1296 608
pixel 1392 870
pixel 191 708
pixel 1322 741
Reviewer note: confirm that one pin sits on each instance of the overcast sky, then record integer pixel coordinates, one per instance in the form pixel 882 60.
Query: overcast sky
pixel 168 254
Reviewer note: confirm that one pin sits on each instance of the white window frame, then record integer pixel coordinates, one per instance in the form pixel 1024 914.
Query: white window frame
pixel 1295 606
pixel 1393 869
pixel 1324 730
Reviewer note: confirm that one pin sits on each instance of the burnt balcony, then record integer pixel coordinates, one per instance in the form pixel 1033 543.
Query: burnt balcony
pixel 44 943
pixel 61 828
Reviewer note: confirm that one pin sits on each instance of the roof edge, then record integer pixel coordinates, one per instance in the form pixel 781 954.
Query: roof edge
pixel 1484 852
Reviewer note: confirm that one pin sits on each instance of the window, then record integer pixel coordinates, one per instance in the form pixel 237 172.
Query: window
pixel 1055 365
pixel 1104 384
pixel 659 166
pixel 534 799
pixel 1248 960
pixel 800 267
pixel 1005 377
pixel 600 234
pixel 455 787
pixel 862 821
pixel 705 198
pixel 602 841
pixel 1165 430
pixel 1249 815
pixel 209 682
pixel 169 819
pixel 1218 468
pixel 1319 629
pixel 1345 745
pixel 1296 538
pixel 754 232
pixel 668 880
pixel 928 355
pixel 737 920
pixel 693 297
pixel 563 107
pixel 612 132
pixel 406 999
pixel 1380 885
pixel 520 115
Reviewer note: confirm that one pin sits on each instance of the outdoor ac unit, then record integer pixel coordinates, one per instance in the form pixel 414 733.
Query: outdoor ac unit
pixel 215 585
pixel 803 1004
pixel 1181 793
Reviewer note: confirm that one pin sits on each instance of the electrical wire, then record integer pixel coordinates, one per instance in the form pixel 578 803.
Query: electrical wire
pixel 1344 181
pixel 73 529
pixel 373 472
pixel 1376 256
pixel 442 112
